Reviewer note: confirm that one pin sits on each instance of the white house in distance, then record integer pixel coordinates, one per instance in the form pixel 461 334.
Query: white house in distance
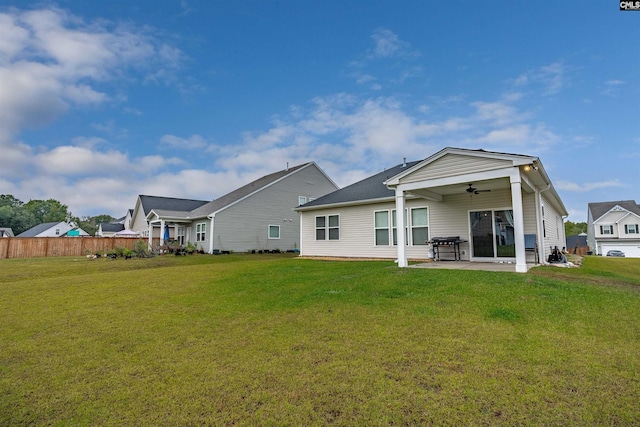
pixel 54 229
pixel 614 226
pixel 495 206
pixel 257 216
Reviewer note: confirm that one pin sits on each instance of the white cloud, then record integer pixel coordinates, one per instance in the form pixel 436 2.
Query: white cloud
pixel 552 77
pixel 194 142
pixel 588 186
pixel 51 60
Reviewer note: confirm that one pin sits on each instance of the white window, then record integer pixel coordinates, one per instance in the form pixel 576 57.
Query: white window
pixel 606 229
pixel 201 232
pixel 328 226
pixel 381 227
pixel 57 231
pixel 419 226
pixel 631 229
pixel 302 200
pixel 311 199
pixel 274 232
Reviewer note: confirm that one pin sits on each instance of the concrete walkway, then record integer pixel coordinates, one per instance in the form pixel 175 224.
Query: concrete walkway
pixel 466 265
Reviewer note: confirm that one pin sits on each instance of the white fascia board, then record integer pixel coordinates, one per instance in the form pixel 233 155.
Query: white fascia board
pixel 608 212
pixel 517 160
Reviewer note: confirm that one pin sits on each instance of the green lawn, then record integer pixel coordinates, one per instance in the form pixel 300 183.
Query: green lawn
pixel 275 340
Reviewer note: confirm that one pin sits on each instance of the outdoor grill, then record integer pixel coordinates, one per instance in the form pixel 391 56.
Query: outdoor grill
pixel 448 245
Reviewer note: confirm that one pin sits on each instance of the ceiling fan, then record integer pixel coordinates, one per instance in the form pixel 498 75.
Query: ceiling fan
pixel 472 190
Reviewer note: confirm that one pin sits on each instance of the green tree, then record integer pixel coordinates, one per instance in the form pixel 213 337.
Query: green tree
pixel 574 228
pixel 14 215
pixel 49 210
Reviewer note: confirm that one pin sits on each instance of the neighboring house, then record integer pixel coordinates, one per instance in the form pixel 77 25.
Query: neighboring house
pixel 614 226
pixel 144 206
pixel 256 216
pixel 53 229
pixel 489 200
pixel 6 232
pixel 108 229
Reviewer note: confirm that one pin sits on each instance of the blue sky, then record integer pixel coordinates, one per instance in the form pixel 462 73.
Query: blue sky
pixel 103 100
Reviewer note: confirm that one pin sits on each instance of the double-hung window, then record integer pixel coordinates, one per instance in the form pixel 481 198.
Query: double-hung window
pixel 631 229
pixel 416 231
pixel 180 235
pixel 606 229
pixel 328 227
pixel 381 226
pixel 201 232
pixel 419 226
pixel 302 200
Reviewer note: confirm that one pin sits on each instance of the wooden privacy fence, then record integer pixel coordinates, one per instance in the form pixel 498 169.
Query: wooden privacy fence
pixel 32 247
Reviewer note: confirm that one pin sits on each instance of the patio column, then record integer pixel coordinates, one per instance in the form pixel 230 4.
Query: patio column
pixel 402 249
pixel 518 223
pixel 161 232
pixel 150 235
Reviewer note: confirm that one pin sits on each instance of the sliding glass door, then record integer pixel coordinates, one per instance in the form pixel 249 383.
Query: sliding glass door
pixel 492 234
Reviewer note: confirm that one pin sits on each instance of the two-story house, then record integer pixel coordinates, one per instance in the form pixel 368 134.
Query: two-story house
pixel 614 226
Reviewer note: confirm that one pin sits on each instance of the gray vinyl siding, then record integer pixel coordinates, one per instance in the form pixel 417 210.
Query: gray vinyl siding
pixel 243 226
pixel 455 164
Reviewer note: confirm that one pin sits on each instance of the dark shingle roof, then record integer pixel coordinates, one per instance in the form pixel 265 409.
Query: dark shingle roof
pixel 34 231
pixel 368 189
pixel 241 192
pixel 598 209
pixel 111 227
pixel 169 203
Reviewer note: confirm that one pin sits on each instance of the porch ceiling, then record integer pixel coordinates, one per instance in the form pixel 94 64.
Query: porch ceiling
pixel 461 188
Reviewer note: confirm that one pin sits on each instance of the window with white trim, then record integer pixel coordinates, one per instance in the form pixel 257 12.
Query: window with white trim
pixel 631 229
pixel 57 231
pixel 419 226
pixel 394 225
pixel 180 235
pixel 381 228
pixel 302 200
pixel 274 232
pixel 201 232
pixel 328 227
pixel 606 229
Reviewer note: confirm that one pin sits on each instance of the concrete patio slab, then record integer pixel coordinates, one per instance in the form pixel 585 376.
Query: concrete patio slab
pixel 466 265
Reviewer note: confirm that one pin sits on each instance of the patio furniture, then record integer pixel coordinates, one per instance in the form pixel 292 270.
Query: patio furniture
pixel 448 245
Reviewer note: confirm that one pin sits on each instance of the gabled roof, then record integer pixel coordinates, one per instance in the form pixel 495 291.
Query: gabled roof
pixel 372 188
pixel 6 232
pixel 244 191
pixel 168 203
pixel 40 228
pixel 111 227
pixel 599 209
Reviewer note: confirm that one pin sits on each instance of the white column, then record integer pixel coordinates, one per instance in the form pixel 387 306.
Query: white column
pixel 161 232
pixel 518 223
pixel 211 235
pixel 150 235
pixel 402 249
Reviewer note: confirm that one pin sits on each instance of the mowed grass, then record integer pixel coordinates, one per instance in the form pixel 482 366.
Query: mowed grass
pixel 276 340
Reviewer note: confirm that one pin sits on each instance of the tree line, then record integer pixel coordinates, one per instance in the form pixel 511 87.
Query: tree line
pixel 20 216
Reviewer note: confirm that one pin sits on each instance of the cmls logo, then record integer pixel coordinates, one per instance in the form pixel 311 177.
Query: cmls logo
pixel 630 5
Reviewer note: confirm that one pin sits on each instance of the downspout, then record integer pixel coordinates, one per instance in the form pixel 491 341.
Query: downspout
pixel 540 233
pixel 211 217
